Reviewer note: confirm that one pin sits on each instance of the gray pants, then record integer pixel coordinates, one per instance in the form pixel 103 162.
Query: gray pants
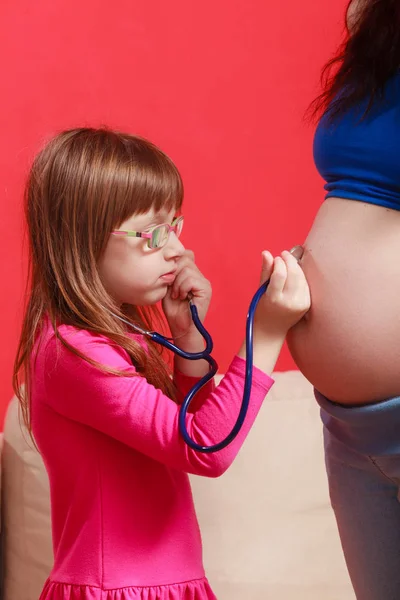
pixel 362 454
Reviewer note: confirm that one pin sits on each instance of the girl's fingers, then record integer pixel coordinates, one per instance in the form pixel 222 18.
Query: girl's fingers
pixel 188 280
pixel 295 274
pixel 187 285
pixel 278 277
pixel 267 266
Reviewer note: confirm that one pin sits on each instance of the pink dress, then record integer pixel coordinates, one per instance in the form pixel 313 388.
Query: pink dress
pixel 123 520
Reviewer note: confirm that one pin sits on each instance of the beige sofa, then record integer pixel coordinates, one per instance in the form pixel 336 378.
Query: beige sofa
pixel 267 526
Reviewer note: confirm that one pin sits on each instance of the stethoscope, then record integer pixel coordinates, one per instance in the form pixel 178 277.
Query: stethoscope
pixel 297 252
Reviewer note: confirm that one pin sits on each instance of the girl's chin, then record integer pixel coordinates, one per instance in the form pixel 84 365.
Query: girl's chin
pixel 150 297
pixel 155 296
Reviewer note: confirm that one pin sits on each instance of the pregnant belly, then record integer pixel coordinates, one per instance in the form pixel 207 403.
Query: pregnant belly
pixel 348 345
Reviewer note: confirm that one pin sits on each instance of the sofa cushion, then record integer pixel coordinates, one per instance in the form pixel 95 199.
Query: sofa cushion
pixel 27 543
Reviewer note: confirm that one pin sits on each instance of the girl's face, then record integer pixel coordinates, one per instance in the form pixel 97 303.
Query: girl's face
pixel 133 273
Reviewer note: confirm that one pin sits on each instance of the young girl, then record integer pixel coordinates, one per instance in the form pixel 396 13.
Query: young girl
pixel 102 215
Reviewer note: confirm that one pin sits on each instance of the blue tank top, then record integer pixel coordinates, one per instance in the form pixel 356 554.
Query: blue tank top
pixel 360 159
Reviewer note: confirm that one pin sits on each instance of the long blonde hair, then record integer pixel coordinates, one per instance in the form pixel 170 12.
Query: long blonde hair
pixel 82 185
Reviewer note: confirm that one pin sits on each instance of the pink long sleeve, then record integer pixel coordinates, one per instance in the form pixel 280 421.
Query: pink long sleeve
pixel 123 518
pixel 135 413
pixel 184 384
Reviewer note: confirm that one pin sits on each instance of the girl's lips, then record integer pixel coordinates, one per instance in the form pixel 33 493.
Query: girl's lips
pixel 168 277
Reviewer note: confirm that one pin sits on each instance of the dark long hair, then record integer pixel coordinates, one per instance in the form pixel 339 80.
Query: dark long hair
pixel 83 184
pixel 366 60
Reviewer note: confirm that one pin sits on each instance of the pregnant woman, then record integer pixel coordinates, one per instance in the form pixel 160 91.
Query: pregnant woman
pixel 348 345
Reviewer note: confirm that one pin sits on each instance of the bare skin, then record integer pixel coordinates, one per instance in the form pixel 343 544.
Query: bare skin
pixel 348 345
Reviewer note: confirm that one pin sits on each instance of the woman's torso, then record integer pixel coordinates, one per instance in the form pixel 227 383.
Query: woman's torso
pixel 348 345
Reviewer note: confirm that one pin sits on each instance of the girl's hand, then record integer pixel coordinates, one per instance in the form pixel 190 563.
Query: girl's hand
pixel 189 280
pixel 287 298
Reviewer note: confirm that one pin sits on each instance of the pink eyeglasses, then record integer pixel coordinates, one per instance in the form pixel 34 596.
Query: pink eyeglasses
pixel 157 236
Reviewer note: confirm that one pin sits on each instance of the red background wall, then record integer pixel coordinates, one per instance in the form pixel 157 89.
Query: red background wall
pixel 221 86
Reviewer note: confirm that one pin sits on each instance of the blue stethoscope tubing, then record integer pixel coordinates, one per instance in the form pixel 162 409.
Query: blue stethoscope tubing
pixel 206 355
pixel 247 381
